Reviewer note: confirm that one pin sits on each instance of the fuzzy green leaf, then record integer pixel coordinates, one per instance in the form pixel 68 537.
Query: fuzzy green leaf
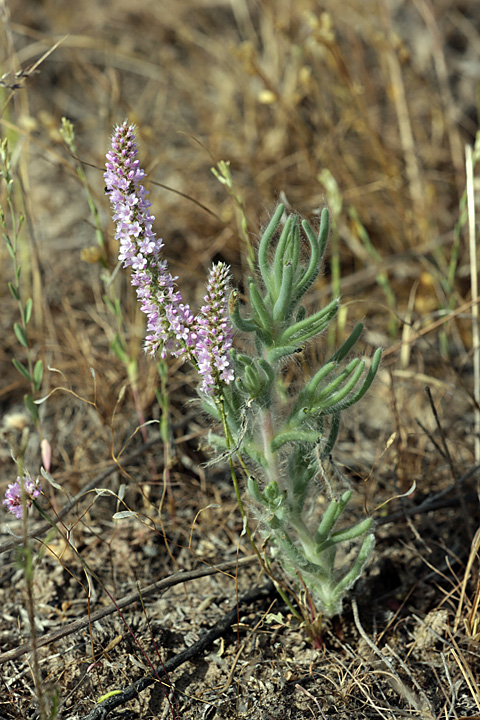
pixel 277 353
pixel 354 573
pixel 308 327
pixel 367 382
pixel 330 517
pixel 244 325
pixel 284 301
pixel 279 260
pixel 306 395
pixel 343 351
pixel 259 310
pixel 328 391
pixel 352 532
pixel 303 436
pixel 337 398
pixel 332 436
pixel 265 244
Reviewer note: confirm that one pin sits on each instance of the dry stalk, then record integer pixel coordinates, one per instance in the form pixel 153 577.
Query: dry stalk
pixel 474 290
pixel 421 703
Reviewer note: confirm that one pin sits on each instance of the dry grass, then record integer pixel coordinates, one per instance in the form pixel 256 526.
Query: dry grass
pixel 380 95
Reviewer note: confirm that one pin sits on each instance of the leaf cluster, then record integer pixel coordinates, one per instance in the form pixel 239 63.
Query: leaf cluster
pixel 280 328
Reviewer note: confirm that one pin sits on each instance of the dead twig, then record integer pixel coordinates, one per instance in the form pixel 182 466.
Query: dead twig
pixel 123 602
pixel 222 627
pixel 420 703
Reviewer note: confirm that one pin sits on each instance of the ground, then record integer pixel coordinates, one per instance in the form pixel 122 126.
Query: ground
pixel 363 107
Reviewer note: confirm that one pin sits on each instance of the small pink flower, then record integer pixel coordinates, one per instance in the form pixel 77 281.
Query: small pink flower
pixel 13 494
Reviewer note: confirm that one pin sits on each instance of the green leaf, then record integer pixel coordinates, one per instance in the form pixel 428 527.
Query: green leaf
pixel 252 381
pixel 330 517
pixel 323 230
pixel 38 375
pixel 348 344
pixel 309 330
pixel 109 304
pixel 242 360
pixel 328 391
pixel 280 259
pixel 244 325
pixel 119 349
pixel 314 250
pixel 306 328
pixel 317 247
pixel 283 306
pixel 265 244
pixel 306 394
pixel 28 310
pixel 22 369
pixel 9 246
pixel 277 353
pixel 294 247
pixel 303 436
pixel 268 370
pixel 208 406
pixel 20 335
pixel 254 490
pixel 332 437
pixel 354 573
pixel 260 311
pixel 352 532
pixel 14 291
pixel 110 694
pixel 367 382
pixel 341 394
pixel 31 407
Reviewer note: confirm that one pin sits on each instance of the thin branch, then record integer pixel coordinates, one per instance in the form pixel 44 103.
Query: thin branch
pixel 220 629
pixel 123 602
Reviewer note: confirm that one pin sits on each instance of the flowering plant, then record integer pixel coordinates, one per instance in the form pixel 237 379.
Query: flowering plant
pixel 20 494
pixel 286 435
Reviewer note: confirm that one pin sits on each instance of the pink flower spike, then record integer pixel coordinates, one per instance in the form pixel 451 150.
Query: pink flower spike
pixel 169 320
pixel 215 333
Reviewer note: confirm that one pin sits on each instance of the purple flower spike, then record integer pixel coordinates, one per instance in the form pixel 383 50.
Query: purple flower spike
pixel 13 494
pixel 204 340
pixel 169 321
pixel 215 332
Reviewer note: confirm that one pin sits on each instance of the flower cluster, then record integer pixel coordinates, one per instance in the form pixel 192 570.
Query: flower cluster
pixel 169 321
pixel 13 495
pixel 205 339
pixel 215 332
